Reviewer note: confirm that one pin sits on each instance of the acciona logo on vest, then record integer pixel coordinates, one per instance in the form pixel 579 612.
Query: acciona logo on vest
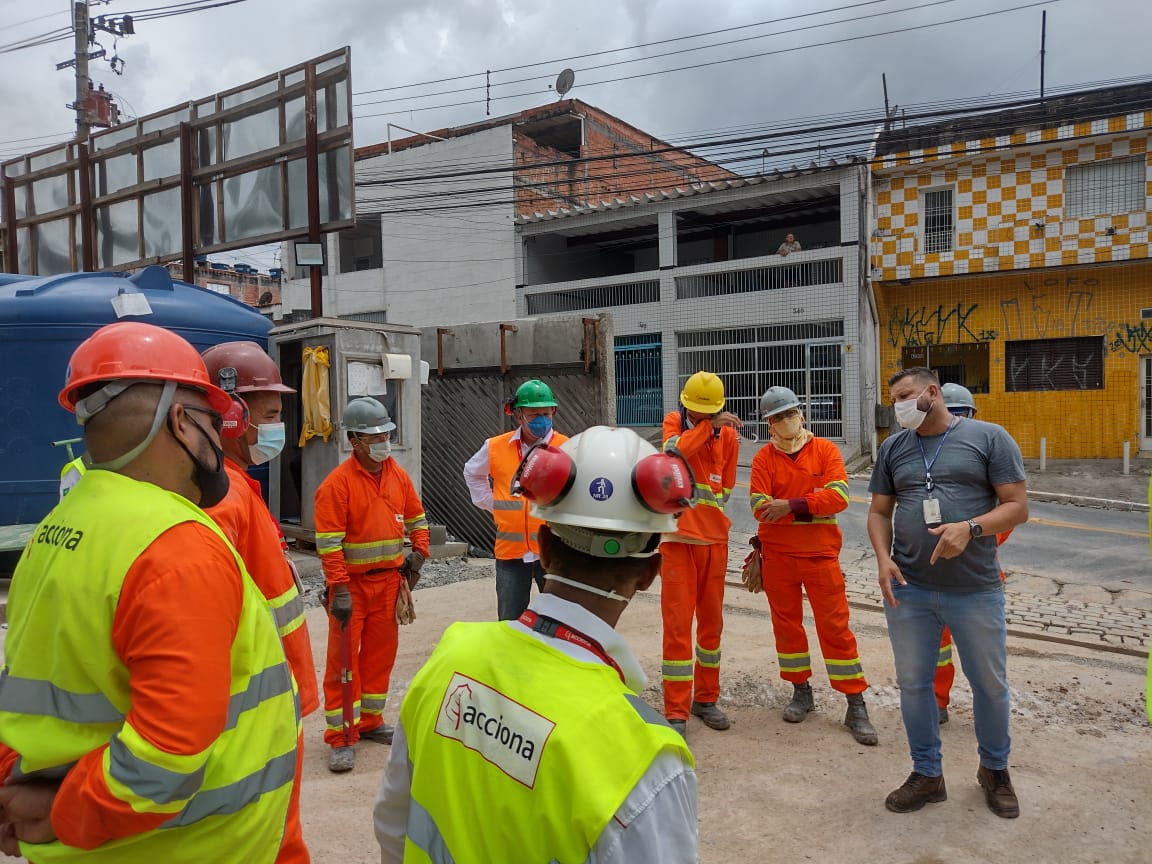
pixel 504 732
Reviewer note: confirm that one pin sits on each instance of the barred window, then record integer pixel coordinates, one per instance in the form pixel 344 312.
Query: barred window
pixel 1075 363
pixel 1102 188
pixel 939 220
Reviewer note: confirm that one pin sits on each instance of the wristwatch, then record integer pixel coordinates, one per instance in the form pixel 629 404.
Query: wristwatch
pixel 975 528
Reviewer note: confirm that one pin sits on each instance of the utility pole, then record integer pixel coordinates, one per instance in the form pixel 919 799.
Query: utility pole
pixel 80 27
pixel 1043 49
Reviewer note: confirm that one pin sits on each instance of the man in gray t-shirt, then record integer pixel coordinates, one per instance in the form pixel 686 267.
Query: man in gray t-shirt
pixel 942 490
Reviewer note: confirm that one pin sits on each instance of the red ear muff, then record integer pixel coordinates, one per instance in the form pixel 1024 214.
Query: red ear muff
pixel 545 475
pixel 663 482
pixel 235 419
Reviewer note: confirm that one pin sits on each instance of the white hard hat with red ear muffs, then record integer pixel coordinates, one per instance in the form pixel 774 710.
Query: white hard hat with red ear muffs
pixel 545 475
pixel 606 491
pixel 664 483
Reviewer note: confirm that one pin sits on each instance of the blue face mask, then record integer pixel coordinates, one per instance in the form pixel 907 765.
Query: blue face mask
pixel 540 425
pixel 269 443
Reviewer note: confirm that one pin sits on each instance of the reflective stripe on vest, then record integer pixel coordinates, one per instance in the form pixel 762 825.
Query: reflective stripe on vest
pixel 54 709
pixel 485 709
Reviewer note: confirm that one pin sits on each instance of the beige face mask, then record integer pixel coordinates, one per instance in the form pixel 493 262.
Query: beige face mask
pixel 789 435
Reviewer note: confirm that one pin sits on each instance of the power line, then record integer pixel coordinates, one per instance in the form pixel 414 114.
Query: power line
pixel 611 50
pixel 17 24
pixel 688 50
pixel 704 64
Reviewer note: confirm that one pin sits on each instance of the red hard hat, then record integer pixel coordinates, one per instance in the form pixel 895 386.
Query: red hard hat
pixel 255 370
pixel 135 350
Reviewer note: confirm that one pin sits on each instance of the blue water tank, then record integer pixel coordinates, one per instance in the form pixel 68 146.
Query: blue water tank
pixel 42 320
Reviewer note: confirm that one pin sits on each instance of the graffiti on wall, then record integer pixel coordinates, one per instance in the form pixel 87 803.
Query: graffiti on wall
pixel 1054 307
pixel 1135 338
pixel 932 326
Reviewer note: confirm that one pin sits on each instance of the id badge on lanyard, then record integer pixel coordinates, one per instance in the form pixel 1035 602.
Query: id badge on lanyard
pixel 932 515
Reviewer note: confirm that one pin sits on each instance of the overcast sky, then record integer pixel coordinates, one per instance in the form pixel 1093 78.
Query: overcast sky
pixel 397 42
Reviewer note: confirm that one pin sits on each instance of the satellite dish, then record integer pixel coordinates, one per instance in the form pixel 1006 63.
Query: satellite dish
pixel 564 82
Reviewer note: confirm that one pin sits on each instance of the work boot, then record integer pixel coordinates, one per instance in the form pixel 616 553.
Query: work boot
pixel 712 716
pixel 341 759
pixel 856 719
pixel 801 703
pixel 680 726
pixel 382 734
pixel 998 792
pixel 943 716
pixel 917 791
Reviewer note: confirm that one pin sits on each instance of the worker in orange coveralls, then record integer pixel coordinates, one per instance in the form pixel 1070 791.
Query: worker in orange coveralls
pixel 363 510
pixel 959 402
pixel 696 556
pixel 798 486
pixel 254 434
pixel 147 712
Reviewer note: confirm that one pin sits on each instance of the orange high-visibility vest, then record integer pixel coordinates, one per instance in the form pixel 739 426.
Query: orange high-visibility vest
pixel 515 528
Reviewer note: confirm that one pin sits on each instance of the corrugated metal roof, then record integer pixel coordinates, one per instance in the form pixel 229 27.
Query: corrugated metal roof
pixel 624 201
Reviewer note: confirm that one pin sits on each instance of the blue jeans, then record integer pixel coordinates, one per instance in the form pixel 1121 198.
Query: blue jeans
pixel 514 586
pixel 979 634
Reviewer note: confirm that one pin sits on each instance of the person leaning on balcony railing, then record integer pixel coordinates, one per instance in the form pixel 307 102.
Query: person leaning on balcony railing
pixel 790 244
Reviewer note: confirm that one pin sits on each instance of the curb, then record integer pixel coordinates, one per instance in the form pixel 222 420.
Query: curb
pixel 1086 501
pixel 1064 498
pixel 1011 631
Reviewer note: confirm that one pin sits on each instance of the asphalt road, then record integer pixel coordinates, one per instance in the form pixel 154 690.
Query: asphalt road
pixel 1076 545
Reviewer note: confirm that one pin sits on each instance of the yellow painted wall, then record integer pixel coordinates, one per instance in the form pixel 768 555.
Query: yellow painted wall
pixel 1052 303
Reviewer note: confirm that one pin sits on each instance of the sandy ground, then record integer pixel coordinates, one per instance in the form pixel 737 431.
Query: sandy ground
pixel 770 791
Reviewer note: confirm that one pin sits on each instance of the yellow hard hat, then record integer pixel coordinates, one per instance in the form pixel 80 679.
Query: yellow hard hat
pixel 703 393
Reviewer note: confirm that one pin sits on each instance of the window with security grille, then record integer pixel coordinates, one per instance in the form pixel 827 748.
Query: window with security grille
pixel 963 363
pixel 1075 363
pixel 1106 187
pixel 939 220
pixel 639 380
pixel 807 358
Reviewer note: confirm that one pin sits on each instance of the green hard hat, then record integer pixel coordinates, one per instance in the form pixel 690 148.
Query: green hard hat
pixel 534 394
pixel 367 416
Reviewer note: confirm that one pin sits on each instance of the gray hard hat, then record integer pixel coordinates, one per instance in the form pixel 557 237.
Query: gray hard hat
pixel 958 396
pixel 367 417
pixel 777 400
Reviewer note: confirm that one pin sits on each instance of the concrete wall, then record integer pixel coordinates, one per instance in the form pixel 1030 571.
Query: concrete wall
pixel 447 266
pixel 439 267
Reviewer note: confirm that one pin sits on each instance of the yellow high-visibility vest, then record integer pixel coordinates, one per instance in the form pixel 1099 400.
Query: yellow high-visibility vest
pixel 518 751
pixel 64 691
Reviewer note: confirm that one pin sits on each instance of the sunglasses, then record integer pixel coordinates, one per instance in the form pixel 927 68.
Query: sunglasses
pixel 216 417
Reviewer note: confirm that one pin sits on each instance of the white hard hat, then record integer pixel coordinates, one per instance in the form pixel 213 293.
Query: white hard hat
pixel 602 494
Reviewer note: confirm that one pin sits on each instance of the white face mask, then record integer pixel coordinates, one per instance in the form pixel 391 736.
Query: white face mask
pixel 908 413
pixel 380 451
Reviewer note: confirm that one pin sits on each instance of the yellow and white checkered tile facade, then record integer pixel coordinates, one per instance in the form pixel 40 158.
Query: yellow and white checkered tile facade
pixel 1009 202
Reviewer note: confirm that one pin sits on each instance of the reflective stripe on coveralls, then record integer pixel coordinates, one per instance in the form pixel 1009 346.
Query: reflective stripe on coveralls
pixel 800 556
pixel 361 520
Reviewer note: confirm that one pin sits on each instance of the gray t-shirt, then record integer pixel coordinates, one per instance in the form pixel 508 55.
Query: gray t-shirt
pixel 975 457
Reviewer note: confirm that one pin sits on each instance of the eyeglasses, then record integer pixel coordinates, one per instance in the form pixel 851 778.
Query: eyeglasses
pixel 216 417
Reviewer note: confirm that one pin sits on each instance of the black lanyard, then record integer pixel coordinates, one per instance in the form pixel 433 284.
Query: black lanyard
pixel 924 454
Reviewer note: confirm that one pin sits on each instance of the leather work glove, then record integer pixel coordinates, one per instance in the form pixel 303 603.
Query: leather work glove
pixel 410 569
pixel 405 605
pixel 752 572
pixel 341 608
